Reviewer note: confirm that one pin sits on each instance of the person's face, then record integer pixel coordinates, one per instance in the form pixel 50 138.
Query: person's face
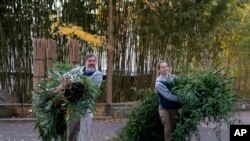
pixel 164 68
pixel 91 63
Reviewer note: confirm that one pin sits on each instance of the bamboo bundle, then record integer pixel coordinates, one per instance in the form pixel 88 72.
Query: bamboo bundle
pixel 206 96
pixel 72 102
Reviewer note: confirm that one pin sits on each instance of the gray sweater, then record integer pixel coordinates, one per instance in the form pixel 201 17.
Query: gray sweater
pixel 163 90
pixel 96 77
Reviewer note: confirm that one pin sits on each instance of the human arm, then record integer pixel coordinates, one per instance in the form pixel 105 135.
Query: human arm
pixel 165 92
pixel 64 82
pixel 97 79
pixel 65 79
pixel 73 71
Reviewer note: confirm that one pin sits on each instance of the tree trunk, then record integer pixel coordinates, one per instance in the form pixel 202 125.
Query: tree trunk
pixel 110 55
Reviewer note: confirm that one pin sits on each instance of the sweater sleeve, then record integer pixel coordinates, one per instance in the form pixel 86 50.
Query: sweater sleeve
pixel 165 92
pixel 97 78
pixel 72 72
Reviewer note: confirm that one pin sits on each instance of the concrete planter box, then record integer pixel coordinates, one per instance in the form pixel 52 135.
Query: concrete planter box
pixel 243 105
pixel 117 110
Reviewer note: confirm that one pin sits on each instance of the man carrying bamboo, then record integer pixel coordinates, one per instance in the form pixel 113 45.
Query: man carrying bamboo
pixel 89 70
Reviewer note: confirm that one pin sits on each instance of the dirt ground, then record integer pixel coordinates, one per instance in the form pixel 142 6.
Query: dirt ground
pixel 102 130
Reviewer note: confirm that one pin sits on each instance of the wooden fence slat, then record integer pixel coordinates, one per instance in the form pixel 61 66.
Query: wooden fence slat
pixel 39 60
pixel 44 51
pixel 74 51
pixel 51 53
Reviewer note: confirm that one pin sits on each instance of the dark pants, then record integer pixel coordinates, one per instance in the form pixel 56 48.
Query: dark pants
pixel 168 119
pixel 73 128
pixel 80 129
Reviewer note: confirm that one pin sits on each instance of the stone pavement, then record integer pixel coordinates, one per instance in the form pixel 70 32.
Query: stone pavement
pixel 208 134
pixel 23 130
pixel 102 129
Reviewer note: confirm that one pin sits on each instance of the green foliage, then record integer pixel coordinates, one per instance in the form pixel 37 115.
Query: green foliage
pixel 49 114
pixel 54 110
pixel 144 122
pixel 207 96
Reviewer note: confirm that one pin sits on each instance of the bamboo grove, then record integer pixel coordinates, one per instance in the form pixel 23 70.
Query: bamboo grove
pixel 188 34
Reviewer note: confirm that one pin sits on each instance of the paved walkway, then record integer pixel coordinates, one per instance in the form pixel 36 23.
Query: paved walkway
pixel 102 129
pixel 208 134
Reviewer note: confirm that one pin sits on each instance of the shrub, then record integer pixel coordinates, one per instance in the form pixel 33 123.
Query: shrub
pixel 144 122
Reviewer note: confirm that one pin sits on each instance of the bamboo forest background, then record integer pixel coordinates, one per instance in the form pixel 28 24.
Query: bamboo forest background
pixel 189 34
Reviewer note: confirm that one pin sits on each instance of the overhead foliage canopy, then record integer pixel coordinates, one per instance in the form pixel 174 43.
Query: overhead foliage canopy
pixel 188 34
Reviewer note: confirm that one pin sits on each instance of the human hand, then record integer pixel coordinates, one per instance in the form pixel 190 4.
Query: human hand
pixel 65 82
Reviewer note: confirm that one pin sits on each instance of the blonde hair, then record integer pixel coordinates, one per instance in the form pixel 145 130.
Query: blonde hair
pixel 158 66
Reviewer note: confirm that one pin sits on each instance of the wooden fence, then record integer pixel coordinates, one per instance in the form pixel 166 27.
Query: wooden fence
pixel 44 51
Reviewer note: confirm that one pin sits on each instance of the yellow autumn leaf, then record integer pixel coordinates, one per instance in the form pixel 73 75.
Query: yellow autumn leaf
pixel 70 30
